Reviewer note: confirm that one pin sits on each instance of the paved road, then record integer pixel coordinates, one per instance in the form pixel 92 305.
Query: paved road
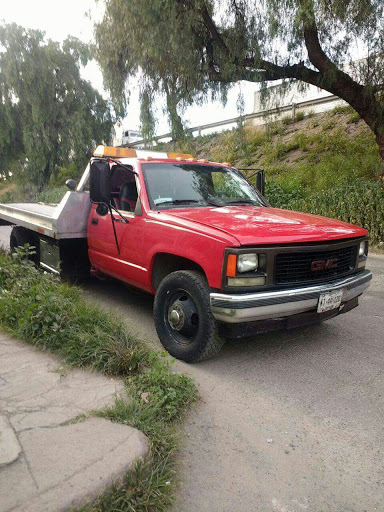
pixel 288 422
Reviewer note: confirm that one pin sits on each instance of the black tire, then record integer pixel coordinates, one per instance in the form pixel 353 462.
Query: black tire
pixel 21 236
pixel 193 335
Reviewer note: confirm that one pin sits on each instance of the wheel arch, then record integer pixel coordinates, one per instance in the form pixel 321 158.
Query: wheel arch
pixel 164 263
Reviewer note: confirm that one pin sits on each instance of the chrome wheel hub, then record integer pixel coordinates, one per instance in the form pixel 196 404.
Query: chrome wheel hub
pixel 176 317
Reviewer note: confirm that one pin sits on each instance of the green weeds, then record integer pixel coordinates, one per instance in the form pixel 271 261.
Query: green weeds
pixel 37 308
pixel 51 195
pixel 361 203
pixel 299 116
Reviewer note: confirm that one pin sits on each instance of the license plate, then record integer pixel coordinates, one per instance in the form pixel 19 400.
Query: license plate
pixel 328 301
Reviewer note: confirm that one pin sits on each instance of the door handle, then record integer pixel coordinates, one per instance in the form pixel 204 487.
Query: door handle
pixel 119 219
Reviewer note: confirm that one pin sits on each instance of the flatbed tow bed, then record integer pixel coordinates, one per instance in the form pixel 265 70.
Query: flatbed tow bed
pixel 68 219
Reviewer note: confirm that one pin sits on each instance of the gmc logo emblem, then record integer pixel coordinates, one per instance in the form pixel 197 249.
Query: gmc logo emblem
pixel 323 264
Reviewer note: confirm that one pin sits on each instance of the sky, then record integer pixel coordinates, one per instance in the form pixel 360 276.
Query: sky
pixel 75 17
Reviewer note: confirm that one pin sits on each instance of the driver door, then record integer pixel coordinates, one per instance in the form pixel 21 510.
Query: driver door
pixel 115 241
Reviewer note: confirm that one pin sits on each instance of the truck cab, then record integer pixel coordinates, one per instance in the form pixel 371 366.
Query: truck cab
pixel 219 259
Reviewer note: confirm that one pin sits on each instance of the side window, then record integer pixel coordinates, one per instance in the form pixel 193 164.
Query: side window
pixel 123 190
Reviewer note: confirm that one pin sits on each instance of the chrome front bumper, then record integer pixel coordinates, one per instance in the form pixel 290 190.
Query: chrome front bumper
pixel 249 307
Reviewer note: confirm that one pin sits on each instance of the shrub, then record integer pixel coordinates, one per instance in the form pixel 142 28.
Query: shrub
pixel 286 120
pixel 361 203
pixel 281 197
pixel 299 116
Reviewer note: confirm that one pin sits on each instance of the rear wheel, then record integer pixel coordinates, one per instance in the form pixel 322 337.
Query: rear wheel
pixel 183 318
pixel 21 236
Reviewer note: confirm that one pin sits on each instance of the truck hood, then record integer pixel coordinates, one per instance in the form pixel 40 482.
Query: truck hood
pixel 252 225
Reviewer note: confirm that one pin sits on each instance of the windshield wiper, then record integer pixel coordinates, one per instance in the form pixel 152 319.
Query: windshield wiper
pixel 180 201
pixel 240 200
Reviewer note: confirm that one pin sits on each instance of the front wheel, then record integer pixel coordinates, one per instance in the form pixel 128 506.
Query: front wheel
pixel 183 318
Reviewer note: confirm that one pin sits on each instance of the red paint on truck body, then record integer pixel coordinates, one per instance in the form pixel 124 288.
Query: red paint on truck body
pixel 198 234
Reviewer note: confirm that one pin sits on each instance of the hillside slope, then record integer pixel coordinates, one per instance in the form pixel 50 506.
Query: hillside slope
pixel 316 152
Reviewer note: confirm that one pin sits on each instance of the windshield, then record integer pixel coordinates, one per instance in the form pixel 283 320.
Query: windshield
pixel 176 185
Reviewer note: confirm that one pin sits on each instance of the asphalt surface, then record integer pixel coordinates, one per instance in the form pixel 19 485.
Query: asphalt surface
pixel 288 422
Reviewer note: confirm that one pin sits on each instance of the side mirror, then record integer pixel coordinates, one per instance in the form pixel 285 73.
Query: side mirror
pixel 71 184
pixel 102 209
pixel 100 185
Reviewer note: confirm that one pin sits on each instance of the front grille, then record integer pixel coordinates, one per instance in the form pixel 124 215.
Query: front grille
pixel 296 267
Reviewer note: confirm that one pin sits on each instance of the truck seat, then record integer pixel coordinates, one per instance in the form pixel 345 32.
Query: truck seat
pixel 128 196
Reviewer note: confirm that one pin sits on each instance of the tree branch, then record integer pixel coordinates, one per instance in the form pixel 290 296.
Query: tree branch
pixel 342 84
pixel 211 26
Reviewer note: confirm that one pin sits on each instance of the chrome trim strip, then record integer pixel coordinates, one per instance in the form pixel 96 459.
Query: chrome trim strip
pixel 50 269
pixel 272 304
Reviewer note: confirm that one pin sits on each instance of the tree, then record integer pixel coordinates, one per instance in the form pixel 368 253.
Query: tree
pixel 49 115
pixel 207 45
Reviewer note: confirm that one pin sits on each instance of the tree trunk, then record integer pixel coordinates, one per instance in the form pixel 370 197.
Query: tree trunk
pixel 177 128
pixel 372 113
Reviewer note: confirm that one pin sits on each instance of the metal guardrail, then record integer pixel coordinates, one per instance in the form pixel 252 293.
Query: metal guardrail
pixel 246 117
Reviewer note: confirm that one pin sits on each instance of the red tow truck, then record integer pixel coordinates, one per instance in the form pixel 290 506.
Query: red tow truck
pixel 199 236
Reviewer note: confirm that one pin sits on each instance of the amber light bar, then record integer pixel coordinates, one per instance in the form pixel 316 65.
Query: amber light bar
pixel 115 152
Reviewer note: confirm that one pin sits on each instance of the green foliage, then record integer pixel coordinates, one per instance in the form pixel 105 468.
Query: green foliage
pixel 361 203
pixel 49 115
pixel 282 196
pixel 328 125
pixel 277 127
pixel 354 118
pixel 72 171
pixel 331 158
pixel 342 110
pixel 51 195
pixel 286 120
pixel 38 308
pixel 299 116
pixel 157 398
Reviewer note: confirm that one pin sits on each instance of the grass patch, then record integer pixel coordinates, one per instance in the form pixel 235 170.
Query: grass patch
pixel 54 316
pixel 347 109
pixel 353 118
pixel 51 195
pixel 51 315
pixel 299 116
pixel 286 120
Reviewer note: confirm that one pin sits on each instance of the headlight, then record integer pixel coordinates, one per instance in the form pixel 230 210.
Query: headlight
pixel 362 249
pixel 247 262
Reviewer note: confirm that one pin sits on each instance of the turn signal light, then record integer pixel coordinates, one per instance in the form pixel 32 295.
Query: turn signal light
pixel 231 265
